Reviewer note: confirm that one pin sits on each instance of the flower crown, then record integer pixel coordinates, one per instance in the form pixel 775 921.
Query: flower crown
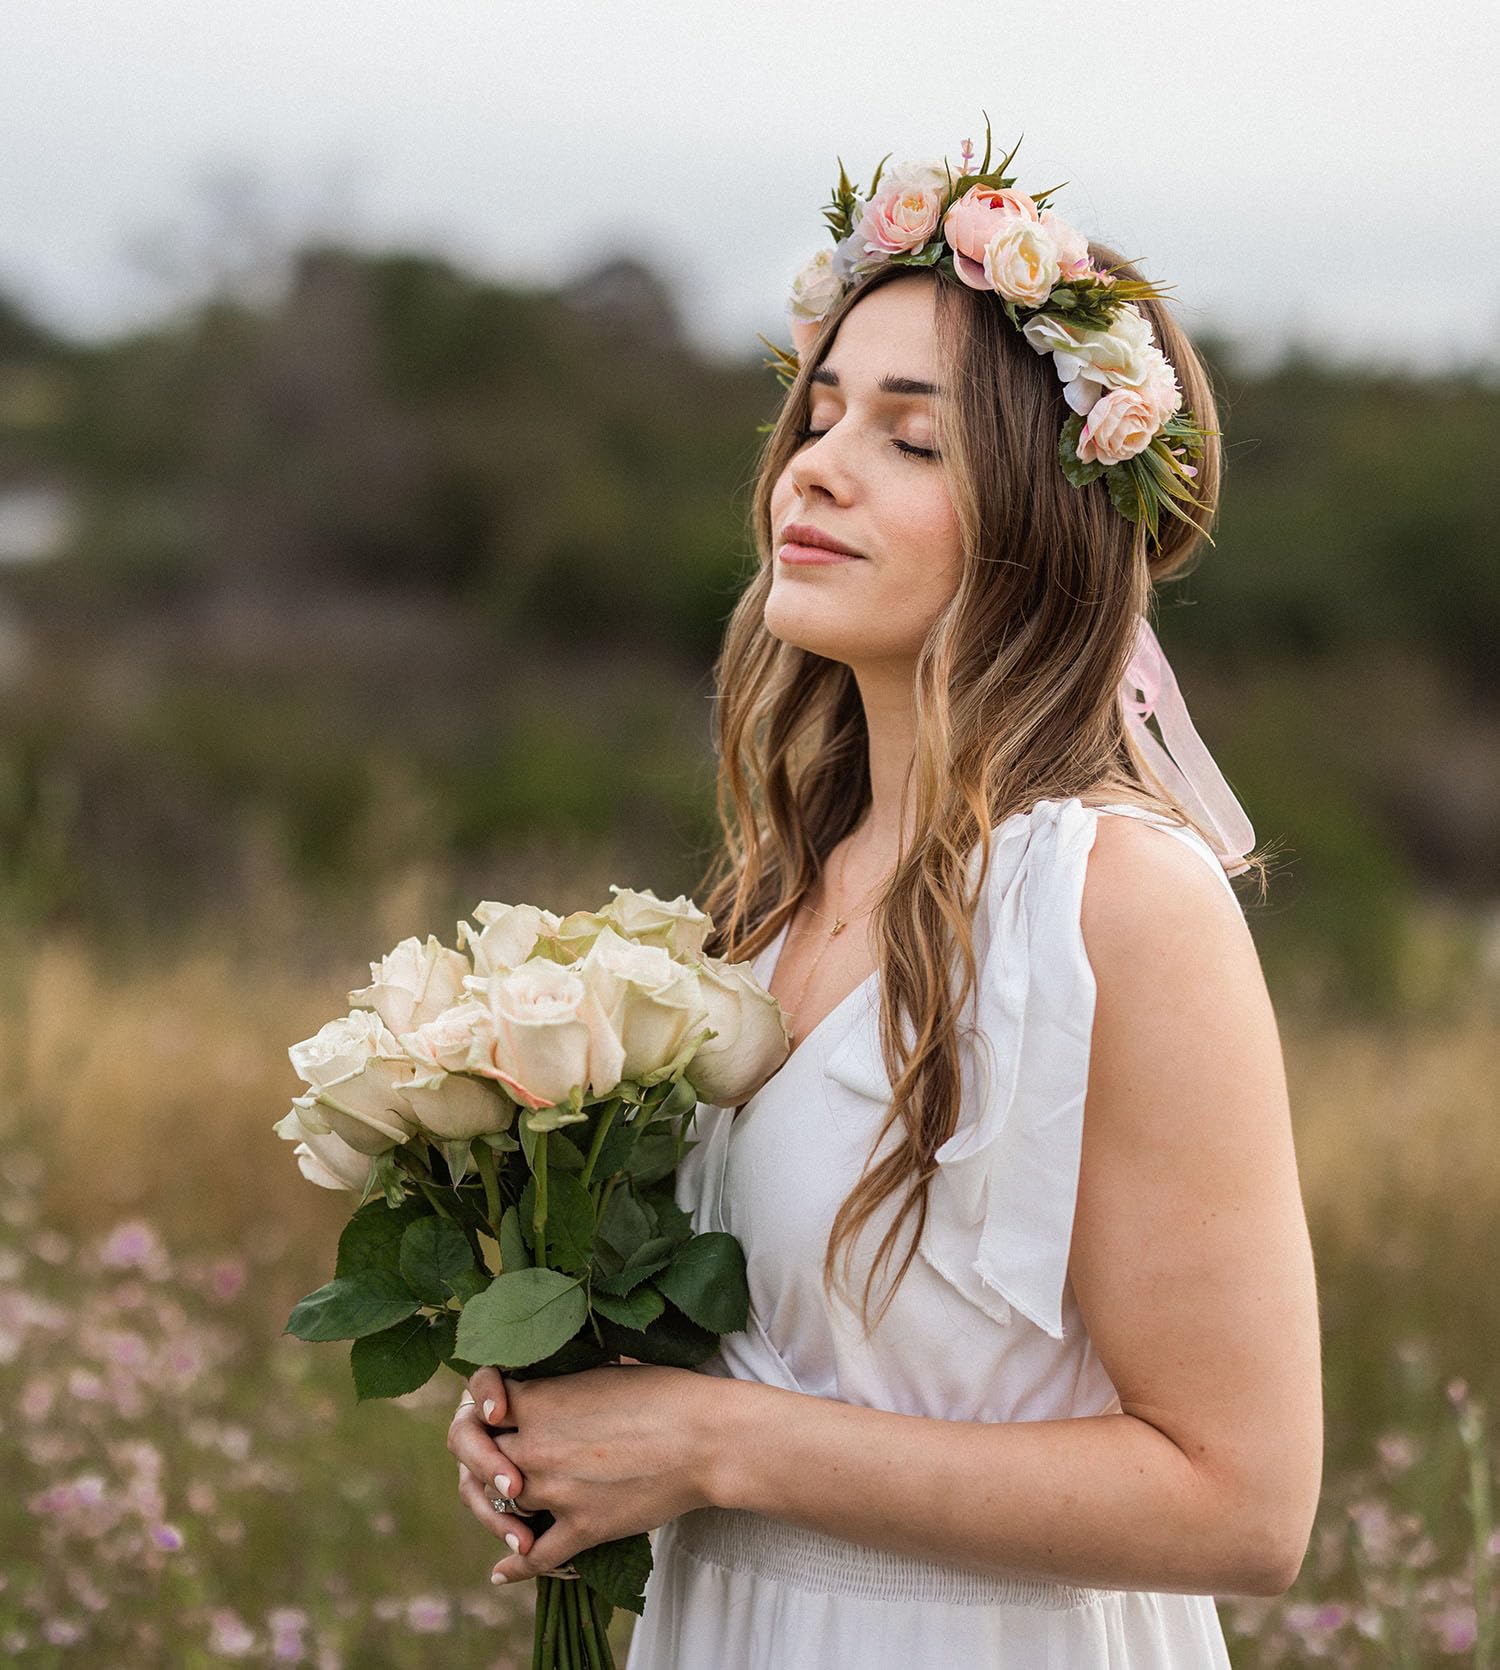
pixel 1128 423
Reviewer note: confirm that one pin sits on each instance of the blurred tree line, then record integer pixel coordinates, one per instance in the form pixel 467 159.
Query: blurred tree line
pixel 411 564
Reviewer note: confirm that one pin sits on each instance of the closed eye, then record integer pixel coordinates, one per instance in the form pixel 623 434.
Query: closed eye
pixel 803 436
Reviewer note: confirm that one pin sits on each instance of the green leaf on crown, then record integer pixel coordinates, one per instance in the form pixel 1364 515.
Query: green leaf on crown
pixel 1077 472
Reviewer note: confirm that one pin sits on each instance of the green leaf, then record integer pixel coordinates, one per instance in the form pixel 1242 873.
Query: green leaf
pixel 618 1570
pixel 472 1281
pixel 706 1281
pixel 521 1317
pixel 624 1225
pixel 671 1340
pixel 635 1310
pixel 1122 491
pixel 444 1340
pixel 435 1253
pixel 675 1224
pixel 563 1154
pixel 1077 472
pixel 615 1151
pixel 372 1237
pixel 570 1220
pixel 514 1251
pixel 655 1153
pixel 646 1260
pixel 349 1307
pixel 396 1360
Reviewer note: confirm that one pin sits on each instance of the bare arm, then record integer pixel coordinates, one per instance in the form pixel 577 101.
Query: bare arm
pixel 1192 1269
pixel 1191 1265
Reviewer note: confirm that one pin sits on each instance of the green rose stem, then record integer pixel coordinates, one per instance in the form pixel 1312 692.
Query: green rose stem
pixel 601 1130
pixel 485 1155
pixel 552 1613
pixel 601 1610
pixel 609 1189
pixel 596 1654
pixel 539 1214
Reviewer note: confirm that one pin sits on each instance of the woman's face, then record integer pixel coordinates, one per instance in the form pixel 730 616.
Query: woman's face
pixel 868 477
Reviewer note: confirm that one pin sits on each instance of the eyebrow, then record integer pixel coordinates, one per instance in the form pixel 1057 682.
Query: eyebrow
pixel 887 384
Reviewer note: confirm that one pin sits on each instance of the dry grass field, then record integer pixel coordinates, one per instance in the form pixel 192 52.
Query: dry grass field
pixel 189 1487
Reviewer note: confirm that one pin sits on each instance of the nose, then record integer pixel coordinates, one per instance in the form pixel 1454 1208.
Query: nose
pixel 820 466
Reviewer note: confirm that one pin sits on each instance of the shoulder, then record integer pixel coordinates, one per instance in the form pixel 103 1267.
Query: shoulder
pixel 1148 893
pixel 1179 989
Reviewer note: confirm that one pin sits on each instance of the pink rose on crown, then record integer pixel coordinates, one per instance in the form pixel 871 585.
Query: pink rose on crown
pixel 903 214
pixel 1119 426
pixel 975 220
pixel 1071 246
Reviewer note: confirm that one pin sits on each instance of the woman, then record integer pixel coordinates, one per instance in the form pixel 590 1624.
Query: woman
pixel 1089 1399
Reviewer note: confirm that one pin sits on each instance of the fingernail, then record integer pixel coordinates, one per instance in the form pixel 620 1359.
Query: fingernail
pixel 502 1480
pixel 489 1407
pixel 513 1542
pixel 498 1577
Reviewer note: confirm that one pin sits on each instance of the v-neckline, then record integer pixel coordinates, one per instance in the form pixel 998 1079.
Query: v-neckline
pixel 773 953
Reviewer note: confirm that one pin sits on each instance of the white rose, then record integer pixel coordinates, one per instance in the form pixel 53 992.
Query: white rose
pixel 1021 262
pixel 851 260
pixel 1091 362
pixel 413 983
pixel 677 925
pixel 456 1107
pixel 576 933
pixel 652 1001
pixel 508 937
pixel 449 1105
pixel 442 1044
pixel 357 1070
pixel 751 1038
pixel 543 1035
pixel 815 288
pixel 323 1158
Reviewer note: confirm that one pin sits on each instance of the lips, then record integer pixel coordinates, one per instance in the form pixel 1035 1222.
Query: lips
pixel 803 533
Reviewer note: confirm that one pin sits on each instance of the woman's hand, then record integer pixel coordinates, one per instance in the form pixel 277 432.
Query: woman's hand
pixel 608 1452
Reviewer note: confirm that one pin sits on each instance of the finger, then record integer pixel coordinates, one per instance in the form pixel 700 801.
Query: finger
pixel 471 1441
pixel 555 1547
pixel 488 1388
pixel 511 1530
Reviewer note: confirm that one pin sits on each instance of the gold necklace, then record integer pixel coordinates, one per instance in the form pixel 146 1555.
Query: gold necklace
pixel 840 922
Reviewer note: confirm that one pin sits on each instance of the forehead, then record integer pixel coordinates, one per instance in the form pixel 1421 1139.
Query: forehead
pixel 887 341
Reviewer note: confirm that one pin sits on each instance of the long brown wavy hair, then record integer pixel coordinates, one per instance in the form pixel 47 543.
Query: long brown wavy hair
pixel 1016 695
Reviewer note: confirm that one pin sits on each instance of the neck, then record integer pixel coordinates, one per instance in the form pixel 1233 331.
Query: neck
pixel 890 719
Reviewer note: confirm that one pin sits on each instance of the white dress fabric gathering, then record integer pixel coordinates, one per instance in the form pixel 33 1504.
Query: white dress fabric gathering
pixel 984 1326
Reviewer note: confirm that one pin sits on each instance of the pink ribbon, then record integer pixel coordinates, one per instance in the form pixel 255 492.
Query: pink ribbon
pixel 1185 766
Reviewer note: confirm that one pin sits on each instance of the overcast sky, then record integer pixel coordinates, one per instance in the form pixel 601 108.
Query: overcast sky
pixel 1324 171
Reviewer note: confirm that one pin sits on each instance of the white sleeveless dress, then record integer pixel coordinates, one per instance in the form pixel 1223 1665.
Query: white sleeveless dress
pixel 984 1326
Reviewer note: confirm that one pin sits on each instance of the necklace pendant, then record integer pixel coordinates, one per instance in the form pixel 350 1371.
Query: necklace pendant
pixel 837 928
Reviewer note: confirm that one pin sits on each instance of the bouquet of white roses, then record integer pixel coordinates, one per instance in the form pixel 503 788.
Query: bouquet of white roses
pixel 511 1113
